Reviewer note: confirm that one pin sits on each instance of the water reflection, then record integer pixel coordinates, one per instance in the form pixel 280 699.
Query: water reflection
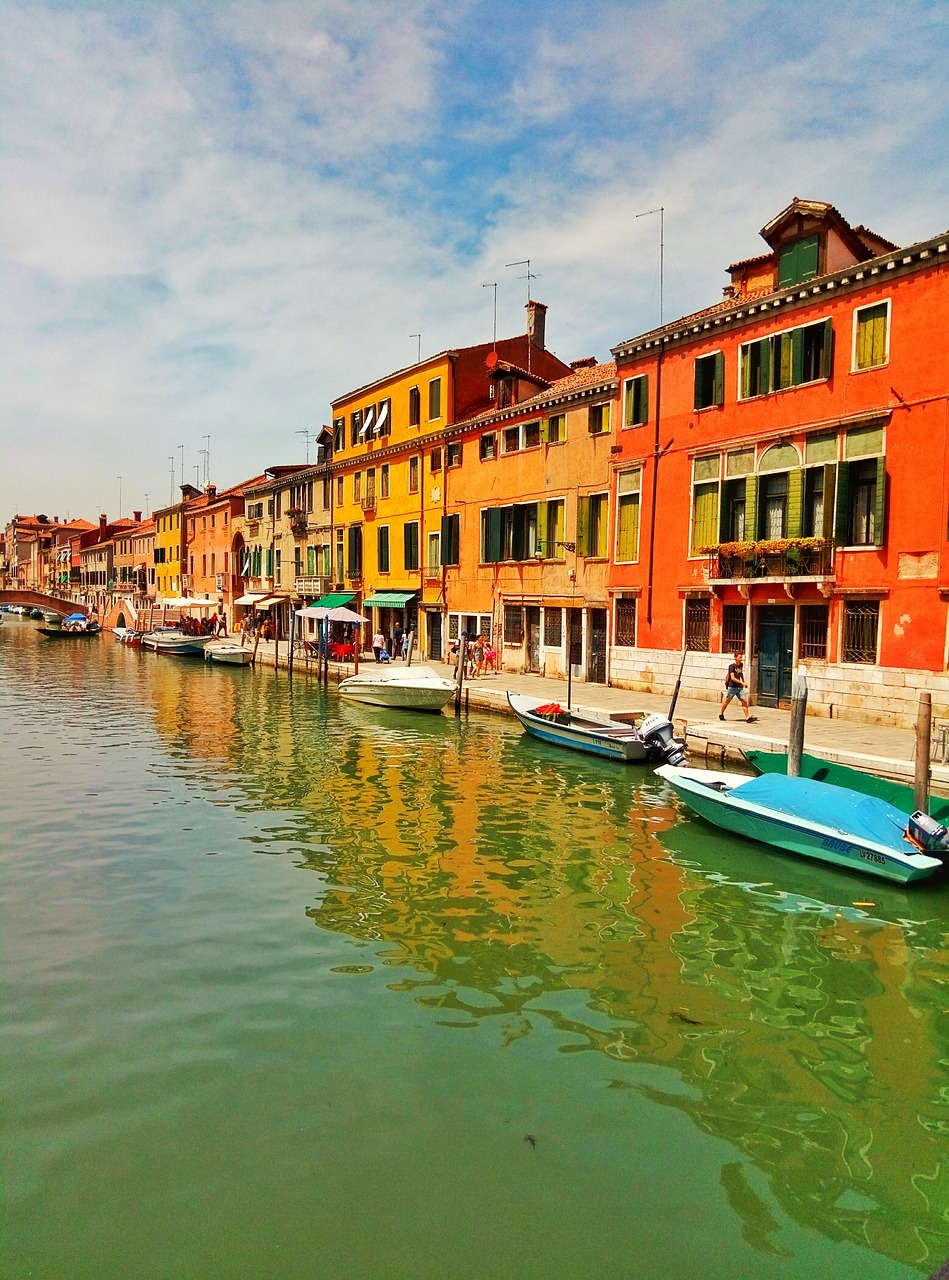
pixel 512 885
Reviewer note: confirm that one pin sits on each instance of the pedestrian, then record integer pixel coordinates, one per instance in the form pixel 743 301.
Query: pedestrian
pixel 398 635
pixel 378 644
pixel 735 687
pixel 405 646
pixel 478 657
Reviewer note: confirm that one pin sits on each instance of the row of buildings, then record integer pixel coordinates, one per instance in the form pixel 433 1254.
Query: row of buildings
pixel 769 474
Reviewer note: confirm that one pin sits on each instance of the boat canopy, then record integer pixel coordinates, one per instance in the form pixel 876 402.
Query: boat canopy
pixel 860 816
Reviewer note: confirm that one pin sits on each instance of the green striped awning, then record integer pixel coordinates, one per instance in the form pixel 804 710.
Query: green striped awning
pixel 334 601
pixel 389 599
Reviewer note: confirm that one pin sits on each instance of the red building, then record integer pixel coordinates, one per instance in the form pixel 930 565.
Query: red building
pixel 792 447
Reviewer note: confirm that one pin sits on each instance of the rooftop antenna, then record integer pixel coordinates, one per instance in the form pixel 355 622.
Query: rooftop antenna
pixel 197 475
pixel 182 449
pixel 494 286
pixel 207 459
pixel 526 262
pixel 203 453
pixel 146 506
pixel 306 432
pixel 172 461
pixel 419 336
pixel 119 478
pixel 662 217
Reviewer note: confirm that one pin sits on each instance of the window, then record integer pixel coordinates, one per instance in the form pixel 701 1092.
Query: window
pixel 339 554
pixel 451 539
pixel 553 628
pixel 550 527
pixel 592 526
pixel 355 427
pixel 861 625
pixel 627 515
pixel 798 262
pixel 413 475
pixel 354 551
pixel 784 360
pixel 371 487
pixel 871 336
pixel 598 419
pixel 434 399
pixel 556 428
pixel 774 505
pixel 255 511
pixel 863 492
pixel 357 486
pixel 511 439
pixel 415 407
pixel 384 480
pixel 410 545
pixel 301 497
pixel 277 566
pixel 384 418
pixel 509 533
pixel 733 510
pixel 733 628
pixel 709 380
pixel 513 624
pixel 626 622
pixel 453 454
pixel 705 473
pixel 697 615
pixel 531 435
pixel 339 434
pixel 339 491
pixel 487 446
pixel 813 632
pixel 636 401
pixel 435 460
pixel 433 562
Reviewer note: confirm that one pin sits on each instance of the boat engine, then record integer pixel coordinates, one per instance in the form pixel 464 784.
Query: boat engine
pixel 659 736
pixel 929 835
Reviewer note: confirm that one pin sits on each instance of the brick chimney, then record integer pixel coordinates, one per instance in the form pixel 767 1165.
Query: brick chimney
pixel 537 323
pixel 103 521
pixel 137 517
pixel 211 491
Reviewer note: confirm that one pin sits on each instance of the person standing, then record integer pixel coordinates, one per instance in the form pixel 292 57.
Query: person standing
pixel 735 687
pixel 397 640
pixel 378 644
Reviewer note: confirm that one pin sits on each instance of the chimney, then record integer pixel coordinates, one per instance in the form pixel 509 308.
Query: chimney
pixel 211 490
pixel 537 323
pixel 137 517
pixel 103 521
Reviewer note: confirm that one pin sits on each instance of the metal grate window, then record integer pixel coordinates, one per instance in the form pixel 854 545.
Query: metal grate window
pixel 813 636
pixel 697 615
pixel 513 624
pixel 861 624
pixel 553 628
pixel 626 622
pixel 733 628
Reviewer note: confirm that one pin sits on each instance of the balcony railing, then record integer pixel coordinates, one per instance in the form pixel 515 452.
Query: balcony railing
pixel 770 558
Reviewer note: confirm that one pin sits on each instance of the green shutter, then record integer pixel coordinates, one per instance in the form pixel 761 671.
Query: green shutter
pixel 493 533
pixel 269 573
pixel 450 528
pixel 747 361
pixel 842 505
pixel 827 355
pixel 751 508
pixel 704 516
pixel 643 399
pixel 697 386
pixel 830 478
pixel 795 509
pixel 382 548
pixel 583 525
pixel 723 510
pixel 879 514
pixel 542 528
pixel 518 530
pixel 719 397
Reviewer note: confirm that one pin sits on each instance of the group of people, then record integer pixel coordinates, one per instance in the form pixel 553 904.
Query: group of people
pixel 253 625
pixel 215 624
pixel 384 649
pixel 479 656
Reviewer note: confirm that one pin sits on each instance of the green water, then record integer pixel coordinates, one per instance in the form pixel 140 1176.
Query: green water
pixel 296 989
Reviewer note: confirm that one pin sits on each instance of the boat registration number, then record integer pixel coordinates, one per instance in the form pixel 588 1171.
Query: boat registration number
pixel 877 858
pixel 841 846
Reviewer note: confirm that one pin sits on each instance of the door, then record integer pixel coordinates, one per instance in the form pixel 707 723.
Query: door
pixel 533 638
pixel 596 666
pixel 433 625
pixel 775 655
pixel 574 640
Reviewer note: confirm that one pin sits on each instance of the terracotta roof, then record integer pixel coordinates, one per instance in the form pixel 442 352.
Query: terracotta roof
pixel 589 376
pixel 747 262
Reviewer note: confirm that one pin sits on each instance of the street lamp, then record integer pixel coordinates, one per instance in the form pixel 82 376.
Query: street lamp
pixel 539 554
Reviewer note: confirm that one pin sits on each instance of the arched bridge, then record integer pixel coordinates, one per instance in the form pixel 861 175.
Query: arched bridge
pixel 37 600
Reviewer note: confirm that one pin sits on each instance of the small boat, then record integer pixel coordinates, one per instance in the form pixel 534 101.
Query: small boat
pixel 173 640
pixel 230 653
pixel 410 688
pixel 816 820
pixel 84 630
pixel 651 739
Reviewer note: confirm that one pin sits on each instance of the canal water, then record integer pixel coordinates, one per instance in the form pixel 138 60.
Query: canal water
pixel 296 989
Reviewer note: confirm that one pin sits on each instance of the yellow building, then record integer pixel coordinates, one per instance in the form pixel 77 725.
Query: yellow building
pixel 390 455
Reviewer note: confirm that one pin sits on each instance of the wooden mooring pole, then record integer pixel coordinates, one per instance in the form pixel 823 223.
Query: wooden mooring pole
pixel 924 722
pixel 796 730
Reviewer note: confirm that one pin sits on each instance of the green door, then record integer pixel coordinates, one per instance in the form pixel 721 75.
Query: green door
pixel 775 655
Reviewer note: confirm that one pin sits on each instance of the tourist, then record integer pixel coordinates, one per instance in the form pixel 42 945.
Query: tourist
pixel 378 644
pixel 398 637
pixel 735 687
pixel 478 657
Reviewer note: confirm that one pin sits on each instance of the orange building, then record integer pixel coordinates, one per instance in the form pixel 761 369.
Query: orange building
pixel 793 445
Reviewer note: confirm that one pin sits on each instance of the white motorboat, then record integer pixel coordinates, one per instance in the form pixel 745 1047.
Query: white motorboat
pixel 173 640
pixel 228 652
pixel 409 688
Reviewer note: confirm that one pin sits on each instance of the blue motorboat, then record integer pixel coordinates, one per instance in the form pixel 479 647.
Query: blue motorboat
pixel 816 820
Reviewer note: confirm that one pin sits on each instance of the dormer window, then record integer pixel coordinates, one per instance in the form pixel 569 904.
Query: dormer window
pixel 798 261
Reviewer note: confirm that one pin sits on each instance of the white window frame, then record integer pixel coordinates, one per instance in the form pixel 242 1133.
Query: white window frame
pixel 888 302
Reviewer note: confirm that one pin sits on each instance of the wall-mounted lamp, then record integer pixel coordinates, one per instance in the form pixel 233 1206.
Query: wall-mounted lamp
pixel 540 554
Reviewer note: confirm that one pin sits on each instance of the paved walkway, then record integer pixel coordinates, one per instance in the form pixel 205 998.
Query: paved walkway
pixel 874 748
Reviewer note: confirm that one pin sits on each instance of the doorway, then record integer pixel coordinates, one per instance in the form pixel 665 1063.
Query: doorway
pixel 775 655
pixel 596 666
pixel 533 638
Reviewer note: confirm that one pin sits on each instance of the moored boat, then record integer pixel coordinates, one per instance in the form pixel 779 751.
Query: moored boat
pixel 409 688
pixel 651 739
pixel 173 640
pixel 816 820
pixel 230 653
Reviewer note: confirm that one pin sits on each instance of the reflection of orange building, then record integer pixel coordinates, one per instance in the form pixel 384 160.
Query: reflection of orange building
pixel 214 568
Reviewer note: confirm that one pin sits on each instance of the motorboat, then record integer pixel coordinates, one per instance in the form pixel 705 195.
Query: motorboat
pixel 229 652
pixel 816 820
pixel 648 739
pixel 174 640
pixel 410 688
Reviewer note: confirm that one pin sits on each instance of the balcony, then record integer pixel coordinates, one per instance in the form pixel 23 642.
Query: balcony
pixel 782 560
pixel 297 522
pixel 309 585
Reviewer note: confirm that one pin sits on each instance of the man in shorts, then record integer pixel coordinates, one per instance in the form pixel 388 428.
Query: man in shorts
pixel 735 687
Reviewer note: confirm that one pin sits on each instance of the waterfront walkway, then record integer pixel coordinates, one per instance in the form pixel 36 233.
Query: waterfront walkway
pixel 873 748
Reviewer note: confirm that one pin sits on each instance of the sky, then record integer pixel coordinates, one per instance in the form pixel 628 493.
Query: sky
pixel 215 218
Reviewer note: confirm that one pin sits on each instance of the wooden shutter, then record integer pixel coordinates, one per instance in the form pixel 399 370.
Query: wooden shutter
pixel 719 394
pixel 583 525
pixel 643 397
pixel 382 548
pixel 518 531
pixel 493 535
pixel 827 354
pixel 830 479
pixel 842 505
pixel 542 528
pixel 879 514
pixel 544 430
pixel 795 500
pixel 751 508
pixel 451 527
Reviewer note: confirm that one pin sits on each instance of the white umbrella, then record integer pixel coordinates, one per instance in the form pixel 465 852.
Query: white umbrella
pixel 342 614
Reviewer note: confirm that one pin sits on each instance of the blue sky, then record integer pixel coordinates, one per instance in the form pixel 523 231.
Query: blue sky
pixel 216 217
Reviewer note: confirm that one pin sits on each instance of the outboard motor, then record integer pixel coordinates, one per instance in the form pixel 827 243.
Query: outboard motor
pixel 658 733
pixel 929 835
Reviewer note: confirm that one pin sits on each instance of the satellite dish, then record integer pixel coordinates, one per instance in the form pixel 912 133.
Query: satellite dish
pixel 492 360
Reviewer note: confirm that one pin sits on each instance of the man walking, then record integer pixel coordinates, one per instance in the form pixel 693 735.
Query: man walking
pixel 735 687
